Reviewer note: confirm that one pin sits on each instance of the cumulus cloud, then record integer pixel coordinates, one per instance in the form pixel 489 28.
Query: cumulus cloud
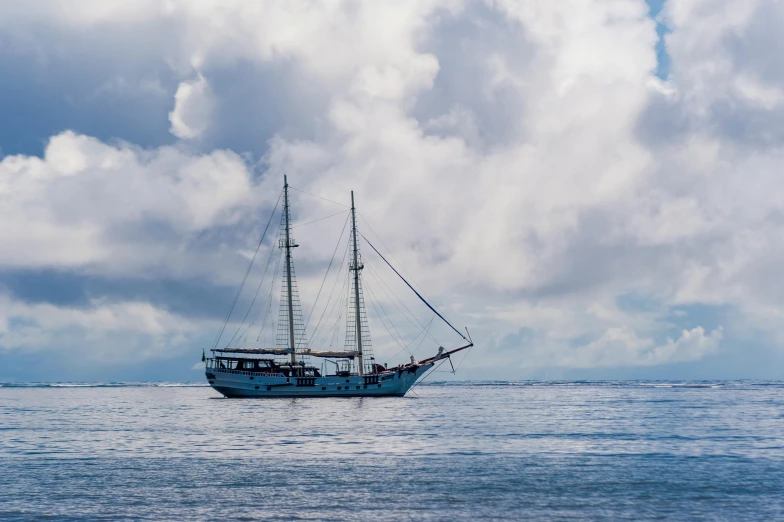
pixel 88 205
pixel 107 332
pixel 521 159
pixel 192 108
pixel 620 346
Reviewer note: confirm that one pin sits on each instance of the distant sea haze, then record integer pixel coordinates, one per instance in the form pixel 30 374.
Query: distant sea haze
pixel 495 450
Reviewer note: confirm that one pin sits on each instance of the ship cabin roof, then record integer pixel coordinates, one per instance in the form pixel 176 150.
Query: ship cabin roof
pixel 256 364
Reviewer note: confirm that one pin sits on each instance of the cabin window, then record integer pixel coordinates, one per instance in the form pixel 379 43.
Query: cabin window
pixel 269 388
pixel 364 387
pixel 323 388
pixel 357 387
pixel 379 386
pixel 346 380
pixel 257 387
pixel 339 388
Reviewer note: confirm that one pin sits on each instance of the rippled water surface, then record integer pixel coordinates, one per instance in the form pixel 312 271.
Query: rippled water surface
pixel 554 451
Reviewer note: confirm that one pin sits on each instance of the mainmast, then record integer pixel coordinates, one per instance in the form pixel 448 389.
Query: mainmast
pixel 356 267
pixel 288 268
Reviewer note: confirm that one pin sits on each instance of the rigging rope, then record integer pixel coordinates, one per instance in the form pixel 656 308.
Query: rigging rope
pixel 253 260
pixel 412 288
pixel 341 304
pixel 392 255
pixel 319 197
pixel 255 296
pixel 423 337
pixel 425 330
pixel 319 219
pixel 334 329
pixel 373 300
pixel 428 374
pixel 461 361
pixel 268 312
pixel 378 278
pixel 334 285
pixel 328 268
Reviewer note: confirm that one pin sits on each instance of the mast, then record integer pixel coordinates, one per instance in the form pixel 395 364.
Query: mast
pixel 356 268
pixel 288 268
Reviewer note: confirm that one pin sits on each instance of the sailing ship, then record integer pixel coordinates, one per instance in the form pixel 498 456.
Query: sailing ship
pixel 285 370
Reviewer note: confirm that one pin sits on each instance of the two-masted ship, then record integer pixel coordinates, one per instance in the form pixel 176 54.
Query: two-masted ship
pixel 285 370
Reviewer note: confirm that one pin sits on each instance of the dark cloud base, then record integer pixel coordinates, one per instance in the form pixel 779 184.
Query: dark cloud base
pixel 194 299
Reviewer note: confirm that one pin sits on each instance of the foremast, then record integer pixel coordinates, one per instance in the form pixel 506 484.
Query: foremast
pixel 355 268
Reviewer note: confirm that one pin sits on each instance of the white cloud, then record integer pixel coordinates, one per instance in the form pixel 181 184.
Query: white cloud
pixel 620 346
pixel 192 109
pixel 113 333
pixel 85 204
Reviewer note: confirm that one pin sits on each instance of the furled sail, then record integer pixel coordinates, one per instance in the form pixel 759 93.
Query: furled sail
pixel 285 351
pixel 341 354
pixel 259 351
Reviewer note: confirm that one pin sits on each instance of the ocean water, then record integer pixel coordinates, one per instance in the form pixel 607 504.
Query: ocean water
pixel 459 451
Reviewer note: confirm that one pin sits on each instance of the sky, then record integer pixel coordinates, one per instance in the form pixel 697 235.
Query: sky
pixel 591 187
